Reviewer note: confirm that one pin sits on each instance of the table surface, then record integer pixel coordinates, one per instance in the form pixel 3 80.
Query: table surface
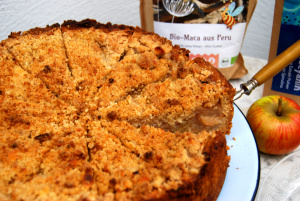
pixel 253 65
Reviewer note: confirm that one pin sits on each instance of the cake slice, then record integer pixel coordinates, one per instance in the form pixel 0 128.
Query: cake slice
pixel 199 99
pixel 54 167
pixel 111 61
pixel 41 52
pixel 114 165
pixel 23 96
pixel 93 49
pixel 148 163
pixel 145 61
pixel 20 158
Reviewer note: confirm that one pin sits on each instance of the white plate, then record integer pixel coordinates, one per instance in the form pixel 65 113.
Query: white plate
pixel 283 181
pixel 243 175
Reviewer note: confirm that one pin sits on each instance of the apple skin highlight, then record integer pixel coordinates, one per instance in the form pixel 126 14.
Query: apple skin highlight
pixel 276 135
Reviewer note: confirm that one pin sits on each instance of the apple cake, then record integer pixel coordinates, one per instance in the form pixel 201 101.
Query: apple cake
pixel 92 111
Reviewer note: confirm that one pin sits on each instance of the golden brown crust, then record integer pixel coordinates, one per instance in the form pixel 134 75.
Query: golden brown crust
pixel 88 23
pixel 157 161
pixel 36 31
pixel 112 113
pixel 208 184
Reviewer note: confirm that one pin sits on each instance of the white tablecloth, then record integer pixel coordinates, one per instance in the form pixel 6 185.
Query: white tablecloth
pixel 254 65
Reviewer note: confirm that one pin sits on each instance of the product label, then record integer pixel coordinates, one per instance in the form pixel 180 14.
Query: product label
pixel 210 29
pixel 288 80
pixel 215 42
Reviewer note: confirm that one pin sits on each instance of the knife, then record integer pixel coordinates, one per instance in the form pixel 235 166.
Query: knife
pixel 270 70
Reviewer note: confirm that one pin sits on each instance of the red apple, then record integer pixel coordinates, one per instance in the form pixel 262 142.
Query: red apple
pixel 275 122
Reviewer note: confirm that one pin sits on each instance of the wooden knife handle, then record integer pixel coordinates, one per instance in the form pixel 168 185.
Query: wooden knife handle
pixel 279 63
